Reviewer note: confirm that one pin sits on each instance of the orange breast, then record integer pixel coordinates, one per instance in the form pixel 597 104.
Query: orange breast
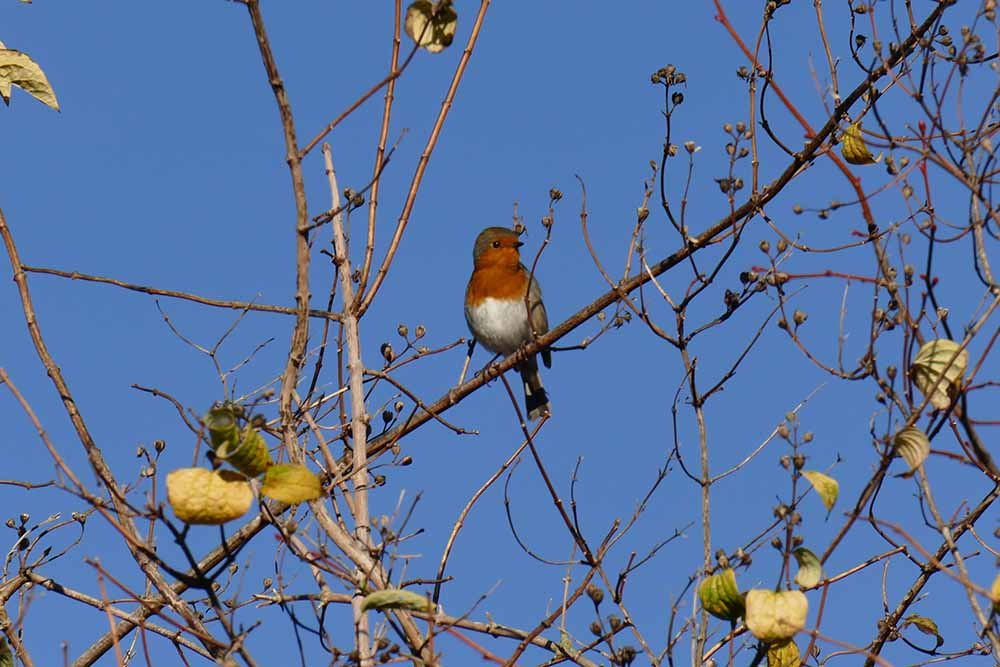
pixel 498 282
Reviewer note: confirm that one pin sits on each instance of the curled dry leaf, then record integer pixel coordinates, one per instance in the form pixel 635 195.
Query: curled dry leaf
pixel 775 617
pixel 222 426
pixel 17 69
pixel 244 450
pixel 430 30
pixel 938 369
pixel 212 497
pixel 912 445
pixel 853 146
pixel 251 456
pixel 720 596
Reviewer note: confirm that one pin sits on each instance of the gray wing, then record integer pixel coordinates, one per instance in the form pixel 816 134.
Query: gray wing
pixel 539 319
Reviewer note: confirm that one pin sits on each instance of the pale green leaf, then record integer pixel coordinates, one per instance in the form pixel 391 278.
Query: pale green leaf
pixel 913 446
pixel 18 69
pixel 827 487
pixel 396 598
pixel 775 617
pixel 810 569
pixel 938 369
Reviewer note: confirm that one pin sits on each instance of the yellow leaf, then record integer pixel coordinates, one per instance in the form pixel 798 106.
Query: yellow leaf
pixel 433 31
pixel 775 617
pixel 396 598
pixel 720 596
pixel 291 483
pixel 995 592
pixel 203 496
pixel 853 147
pixel 810 569
pixel 5 85
pixel 938 369
pixel 925 625
pixel 784 654
pixel 912 445
pixel 827 487
pixel 18 69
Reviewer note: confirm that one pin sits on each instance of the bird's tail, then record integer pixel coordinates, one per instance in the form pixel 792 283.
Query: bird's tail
pixel 536 399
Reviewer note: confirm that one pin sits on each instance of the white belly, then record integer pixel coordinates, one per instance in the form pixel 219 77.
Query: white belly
pixel 501 326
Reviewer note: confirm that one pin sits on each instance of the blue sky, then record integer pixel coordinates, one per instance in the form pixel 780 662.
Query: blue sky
pixel 166 167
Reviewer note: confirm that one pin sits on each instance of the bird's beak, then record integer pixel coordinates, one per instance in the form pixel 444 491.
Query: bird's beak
pixel 518 244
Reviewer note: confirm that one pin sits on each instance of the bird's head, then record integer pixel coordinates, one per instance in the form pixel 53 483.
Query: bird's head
pixel 496 245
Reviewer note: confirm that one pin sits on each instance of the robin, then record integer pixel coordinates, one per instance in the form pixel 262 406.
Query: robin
pixel 496 313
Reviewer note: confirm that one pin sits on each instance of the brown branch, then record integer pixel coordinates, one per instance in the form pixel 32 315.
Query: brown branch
pixel 363 640
pixel 389 79
pixel 232 545
pixel 365 298
pixel 300 334
pixel 186 296
pixel 94 455
pixel 390 90
pixel 888 625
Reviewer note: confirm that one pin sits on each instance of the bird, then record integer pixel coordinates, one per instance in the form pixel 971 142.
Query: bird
pixel 496 312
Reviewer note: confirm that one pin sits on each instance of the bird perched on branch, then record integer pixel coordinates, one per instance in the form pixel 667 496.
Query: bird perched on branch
pixel 498 314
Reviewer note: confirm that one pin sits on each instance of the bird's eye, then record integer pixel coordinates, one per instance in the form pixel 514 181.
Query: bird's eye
pixel 496 244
